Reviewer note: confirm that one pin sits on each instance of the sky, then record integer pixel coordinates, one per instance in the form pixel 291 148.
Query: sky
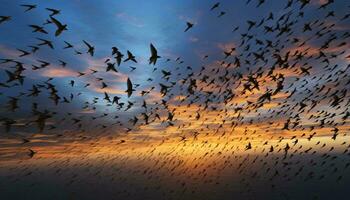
pixel 245 73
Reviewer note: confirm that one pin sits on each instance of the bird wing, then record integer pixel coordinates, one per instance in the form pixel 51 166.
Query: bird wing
pixel 56 22
pixel 87 44
pixel 129 85
pixel 153 50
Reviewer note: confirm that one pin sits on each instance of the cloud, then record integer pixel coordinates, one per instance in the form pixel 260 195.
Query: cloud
pixel 109 89
pixel 319 2
pixel 226 46
pixel 58 72
pixel 193 39
pixel 100 66
pixel 5 51
pixel 130 20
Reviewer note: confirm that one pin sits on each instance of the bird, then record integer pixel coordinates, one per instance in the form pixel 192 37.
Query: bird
pixel 91 49
pixel 114 50
pixel 60 27
pixel 24 53
pixel 53 11
pixel 260 3
pixel 31 153
pixel 62 63
pixel 38 29
pixel 129 89
pixel 68 45
pixel 132 68
pixel 119 57
pixel 216 5
pixel 45 42
pixel 189 26
pixel 115 100
pixel 34 48
pixel 130 57
pixel 222 13
pixel 154 55
pixel 111 66
pixel 29 7
pixel 5 19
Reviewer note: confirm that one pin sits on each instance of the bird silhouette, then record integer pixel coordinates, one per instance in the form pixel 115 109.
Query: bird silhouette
pixel 91 49
pixel 189 26
pixel 130 57
pixel 129 89
pixel 154 55
pixel 29 7
pixel 60 27
pixel 4 19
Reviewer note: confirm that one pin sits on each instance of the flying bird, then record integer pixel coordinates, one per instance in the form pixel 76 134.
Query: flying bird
pixel 60 27
pixel 37 28
pixel 216 5
pixel 129 89
pixel 91 49
pixel 29 7
pixel 4 19
pixel 189 25
pixel 130 57
pixel 154 55
pixel 53 11
pixel 31 153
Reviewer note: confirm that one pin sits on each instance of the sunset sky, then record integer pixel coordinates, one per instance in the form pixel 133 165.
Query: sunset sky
pixel 249 77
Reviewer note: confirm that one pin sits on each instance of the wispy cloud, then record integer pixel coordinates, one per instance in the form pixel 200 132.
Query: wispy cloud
pixel 58 72
pixel 131 19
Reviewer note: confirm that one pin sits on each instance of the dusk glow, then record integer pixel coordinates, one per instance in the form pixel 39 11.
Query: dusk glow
pixel 244 99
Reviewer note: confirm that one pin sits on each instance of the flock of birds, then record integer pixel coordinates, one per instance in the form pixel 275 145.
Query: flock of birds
pixel 273 96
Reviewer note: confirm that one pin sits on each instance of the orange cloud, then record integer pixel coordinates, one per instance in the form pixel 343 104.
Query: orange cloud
pixel 58 72
pixel 109 90
pixel 8 52
pixel 226 46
